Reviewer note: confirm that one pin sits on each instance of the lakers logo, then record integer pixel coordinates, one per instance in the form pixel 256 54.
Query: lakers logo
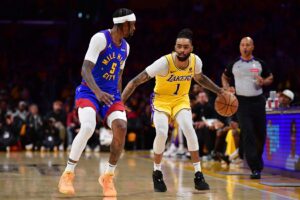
pixel 179 78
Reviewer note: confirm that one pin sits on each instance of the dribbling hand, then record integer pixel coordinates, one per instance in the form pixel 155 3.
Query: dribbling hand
pixel 230 90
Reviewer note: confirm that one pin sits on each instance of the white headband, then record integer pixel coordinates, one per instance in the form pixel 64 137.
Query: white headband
pixel 129 18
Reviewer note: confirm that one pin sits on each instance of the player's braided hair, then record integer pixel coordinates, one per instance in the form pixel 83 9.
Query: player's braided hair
pixel 186 33
pixel 122 12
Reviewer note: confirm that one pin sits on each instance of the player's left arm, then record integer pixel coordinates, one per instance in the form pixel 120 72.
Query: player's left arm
pixel 134 83
pixel 203 80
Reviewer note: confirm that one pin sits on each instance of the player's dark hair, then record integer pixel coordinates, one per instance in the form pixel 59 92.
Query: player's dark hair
pixel 186 33
pixel 122 12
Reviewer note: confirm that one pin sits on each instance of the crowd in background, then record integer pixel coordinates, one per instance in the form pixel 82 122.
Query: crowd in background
pixel 43 45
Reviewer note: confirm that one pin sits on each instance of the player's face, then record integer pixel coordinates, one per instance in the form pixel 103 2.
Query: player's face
pixel 183 48
pixel 128 29
pixel 246 47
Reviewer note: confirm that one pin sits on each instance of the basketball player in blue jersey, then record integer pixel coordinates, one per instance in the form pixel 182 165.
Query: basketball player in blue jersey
pixel 99 92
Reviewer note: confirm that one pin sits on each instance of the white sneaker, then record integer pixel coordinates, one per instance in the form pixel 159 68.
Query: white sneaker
pixel 88 149
pixel 97 148
pixel 28 147
pixel 171 150
pixel 181 151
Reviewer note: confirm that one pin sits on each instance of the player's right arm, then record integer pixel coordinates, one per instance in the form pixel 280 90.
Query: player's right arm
pixel 97 44
pixel 133 84
pixel 159 67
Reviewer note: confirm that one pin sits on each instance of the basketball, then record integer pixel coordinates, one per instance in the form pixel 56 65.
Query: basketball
pixel 226 104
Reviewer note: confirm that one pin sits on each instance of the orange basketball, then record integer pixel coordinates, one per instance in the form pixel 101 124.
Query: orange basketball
pixel 226 104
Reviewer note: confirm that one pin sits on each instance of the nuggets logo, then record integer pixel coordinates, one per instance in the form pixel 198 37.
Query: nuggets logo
pixel 179 78
pixel 115 59
pixel 112 56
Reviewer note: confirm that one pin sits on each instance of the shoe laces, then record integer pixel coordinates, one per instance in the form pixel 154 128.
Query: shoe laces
pixel 158 175
pixel 109 180
pixel 199 176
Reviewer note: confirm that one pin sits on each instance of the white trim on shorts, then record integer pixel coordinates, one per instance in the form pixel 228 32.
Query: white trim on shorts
pixel 115 115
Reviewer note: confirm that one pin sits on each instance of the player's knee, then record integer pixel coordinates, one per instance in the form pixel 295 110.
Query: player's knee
pixel 187 128
pixel 88 128
pixel 119 126
pixel 162 133
pixel 192 140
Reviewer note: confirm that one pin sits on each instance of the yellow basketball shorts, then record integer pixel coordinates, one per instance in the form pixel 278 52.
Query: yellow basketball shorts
pixel 170 105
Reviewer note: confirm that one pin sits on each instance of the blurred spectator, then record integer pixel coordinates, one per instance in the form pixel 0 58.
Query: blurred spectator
pixel 60 121
pixel 34 128
pixel 285 98
pixel 227 141
pixel 51 139
pixel 73 126
pixel 10 132
pixel 21 111
pixel 3 111
pixel 205 123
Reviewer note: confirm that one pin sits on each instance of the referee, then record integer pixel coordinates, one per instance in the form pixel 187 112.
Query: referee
pixel 250 74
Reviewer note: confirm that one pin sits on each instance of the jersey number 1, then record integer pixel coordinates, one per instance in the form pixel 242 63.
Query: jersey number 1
pixel 177 88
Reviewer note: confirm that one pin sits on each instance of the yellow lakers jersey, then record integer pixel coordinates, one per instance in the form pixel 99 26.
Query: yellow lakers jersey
pixel 177 82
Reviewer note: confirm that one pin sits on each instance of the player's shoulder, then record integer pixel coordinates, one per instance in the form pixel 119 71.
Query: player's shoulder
pixel 196 57
pixel 99 36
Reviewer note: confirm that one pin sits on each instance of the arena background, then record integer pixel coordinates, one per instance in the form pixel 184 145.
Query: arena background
pixel 42 47
pixel 43 43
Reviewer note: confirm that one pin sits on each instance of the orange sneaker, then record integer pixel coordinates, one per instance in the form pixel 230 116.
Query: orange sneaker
pixel 65 184
pixel 106 181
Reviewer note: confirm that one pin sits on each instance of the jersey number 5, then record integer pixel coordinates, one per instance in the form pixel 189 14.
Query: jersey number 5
pixel 113 68
pixel 177 88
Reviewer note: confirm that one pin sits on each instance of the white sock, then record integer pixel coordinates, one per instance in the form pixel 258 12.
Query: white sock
pixel 110 169
pixel 157 167
pixel 197 167
pixel 70 166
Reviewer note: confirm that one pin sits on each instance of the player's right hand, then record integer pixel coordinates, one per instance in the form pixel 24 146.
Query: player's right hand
pixel 230 89
pixel 105 98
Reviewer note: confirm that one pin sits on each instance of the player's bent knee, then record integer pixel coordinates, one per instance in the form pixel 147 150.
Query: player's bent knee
pixel 119 125
pixel 88 128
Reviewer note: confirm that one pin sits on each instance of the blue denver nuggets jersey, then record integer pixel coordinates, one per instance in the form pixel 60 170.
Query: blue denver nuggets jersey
pixel 107 67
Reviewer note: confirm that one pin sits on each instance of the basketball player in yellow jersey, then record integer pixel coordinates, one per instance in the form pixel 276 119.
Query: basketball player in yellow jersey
pixel 173 74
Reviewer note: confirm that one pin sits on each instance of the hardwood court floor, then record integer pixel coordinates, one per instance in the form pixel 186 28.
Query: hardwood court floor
pixel 35 175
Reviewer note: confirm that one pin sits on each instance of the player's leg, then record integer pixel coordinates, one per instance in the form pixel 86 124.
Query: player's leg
pixel 185 121
pixel 161 123
pixel 117 121
pixel 87 118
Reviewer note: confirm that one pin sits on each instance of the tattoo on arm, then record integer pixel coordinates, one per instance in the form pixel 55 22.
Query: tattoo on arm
pixel 132 85
pixel 120 80
pixel 86 73
pixel 207 83
pixel 225 81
